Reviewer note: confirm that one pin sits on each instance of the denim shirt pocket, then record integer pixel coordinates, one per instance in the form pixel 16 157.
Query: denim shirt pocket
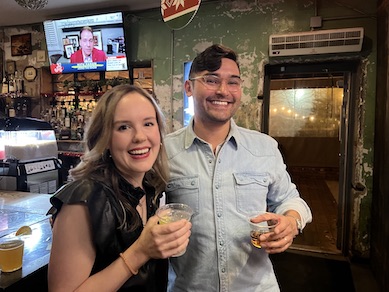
pixel 251 192
pixel 184 190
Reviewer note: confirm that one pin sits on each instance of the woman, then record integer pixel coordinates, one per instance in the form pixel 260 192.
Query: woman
pixel 105 236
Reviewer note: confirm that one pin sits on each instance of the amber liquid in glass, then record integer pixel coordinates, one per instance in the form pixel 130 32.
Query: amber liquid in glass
pixel 11 255
pixel 255 238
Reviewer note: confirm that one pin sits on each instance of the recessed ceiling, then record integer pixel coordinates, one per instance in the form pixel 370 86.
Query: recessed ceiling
pixel 11 14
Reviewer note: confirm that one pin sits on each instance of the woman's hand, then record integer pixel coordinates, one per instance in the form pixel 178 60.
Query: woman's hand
pixel 163 241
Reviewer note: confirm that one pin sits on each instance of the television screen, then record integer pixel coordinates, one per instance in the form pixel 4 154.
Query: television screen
pixel 86 43
pixel 188 100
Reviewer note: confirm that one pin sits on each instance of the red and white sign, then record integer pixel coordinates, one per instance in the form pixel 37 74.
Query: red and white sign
pixel 172 9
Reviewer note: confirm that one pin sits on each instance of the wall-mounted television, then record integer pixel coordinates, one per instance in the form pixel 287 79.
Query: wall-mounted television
pixel 86 43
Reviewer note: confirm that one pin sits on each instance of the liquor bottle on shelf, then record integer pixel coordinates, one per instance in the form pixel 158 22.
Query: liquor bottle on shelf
pixel 11 110
pixel 11 84
pixel 67 121
pixel 18 83
pixel 4 87
pixel 15 81
pixel 18 107
pixel 6 109
pixel 62 114
pixel 25 107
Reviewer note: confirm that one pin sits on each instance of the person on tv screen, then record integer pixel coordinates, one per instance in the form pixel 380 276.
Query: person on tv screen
pixel 87 52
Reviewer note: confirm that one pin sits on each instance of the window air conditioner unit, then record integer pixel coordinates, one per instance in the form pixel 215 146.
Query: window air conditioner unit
pixel 316 42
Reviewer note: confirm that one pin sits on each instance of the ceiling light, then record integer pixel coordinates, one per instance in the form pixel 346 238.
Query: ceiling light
pixel 32 4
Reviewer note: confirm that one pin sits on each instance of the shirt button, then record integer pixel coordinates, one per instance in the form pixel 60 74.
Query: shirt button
pixel 193 183
pixel 223 270
pixel 219 215
pixel 210 161
pixel 221 243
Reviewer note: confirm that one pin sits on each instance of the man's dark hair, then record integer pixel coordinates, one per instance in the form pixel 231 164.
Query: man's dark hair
pixel 211 59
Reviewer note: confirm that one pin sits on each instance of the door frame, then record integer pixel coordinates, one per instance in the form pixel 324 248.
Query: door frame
pixel 349 69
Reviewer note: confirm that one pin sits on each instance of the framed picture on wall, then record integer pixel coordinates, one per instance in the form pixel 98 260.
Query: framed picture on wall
pixel 97 41
pixel 73 39
pixel 30 73
pixel 69 50
pixel 40 56
pixel 11 67
pixel 21 44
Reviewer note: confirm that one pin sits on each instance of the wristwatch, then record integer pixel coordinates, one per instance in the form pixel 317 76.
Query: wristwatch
pixel 298 222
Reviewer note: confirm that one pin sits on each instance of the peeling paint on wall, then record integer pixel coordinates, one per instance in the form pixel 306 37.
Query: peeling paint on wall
pixel 367 169
pixel 361 223
pixel 248 71
pixel 248 115
pixel 261 76
pixel 201 46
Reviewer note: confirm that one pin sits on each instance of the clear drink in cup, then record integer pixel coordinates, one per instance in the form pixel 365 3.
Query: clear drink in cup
pixel 174 212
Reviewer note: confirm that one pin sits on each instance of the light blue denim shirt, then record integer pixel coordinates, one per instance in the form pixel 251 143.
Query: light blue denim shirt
pixel 248 174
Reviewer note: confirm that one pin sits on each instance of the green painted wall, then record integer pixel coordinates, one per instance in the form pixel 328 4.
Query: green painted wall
pixel 246 26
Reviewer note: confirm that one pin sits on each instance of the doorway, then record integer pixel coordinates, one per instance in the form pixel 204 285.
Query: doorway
pixel 307 108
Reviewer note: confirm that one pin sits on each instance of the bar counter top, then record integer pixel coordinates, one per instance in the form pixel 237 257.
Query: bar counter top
pixel 26 209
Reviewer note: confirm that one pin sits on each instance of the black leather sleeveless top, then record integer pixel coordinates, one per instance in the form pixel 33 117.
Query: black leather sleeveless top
pixel 109 237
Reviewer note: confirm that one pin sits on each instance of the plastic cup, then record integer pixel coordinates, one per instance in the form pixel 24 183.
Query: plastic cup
pixel 11 255
pixel 174 212
pixel 257 229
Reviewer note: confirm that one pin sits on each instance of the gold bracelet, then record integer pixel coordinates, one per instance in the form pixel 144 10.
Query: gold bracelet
pixel 128 265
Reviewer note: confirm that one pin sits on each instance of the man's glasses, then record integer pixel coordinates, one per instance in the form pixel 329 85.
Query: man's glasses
pixel 213 82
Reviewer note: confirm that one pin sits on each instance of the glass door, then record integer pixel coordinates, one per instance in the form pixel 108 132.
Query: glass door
pixel 304 108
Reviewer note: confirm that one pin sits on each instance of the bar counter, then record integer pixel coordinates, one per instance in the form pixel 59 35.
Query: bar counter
pixel 26 209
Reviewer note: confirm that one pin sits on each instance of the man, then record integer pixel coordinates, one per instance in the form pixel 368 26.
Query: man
pixel 226 173
pixel 87 53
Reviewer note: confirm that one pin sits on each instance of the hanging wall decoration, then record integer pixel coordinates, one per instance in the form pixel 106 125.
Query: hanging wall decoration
pixel 40 56
pixel 179 13
pixel 21 44
pixel 30 73
pixel 11 67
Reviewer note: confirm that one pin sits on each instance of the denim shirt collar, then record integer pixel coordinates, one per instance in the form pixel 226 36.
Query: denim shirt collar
pixel 232 137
